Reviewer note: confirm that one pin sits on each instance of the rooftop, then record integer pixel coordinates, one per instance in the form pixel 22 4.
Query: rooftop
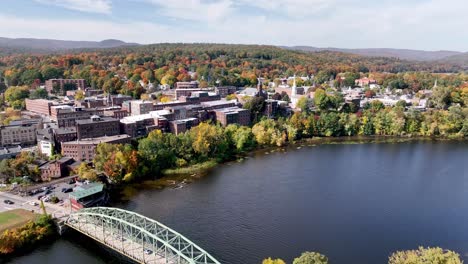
pixel 96 119
pixel 96 141
pixel 217 102
pixel 86 190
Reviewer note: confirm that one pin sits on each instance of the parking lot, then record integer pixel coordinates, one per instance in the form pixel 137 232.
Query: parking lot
pixel 54 190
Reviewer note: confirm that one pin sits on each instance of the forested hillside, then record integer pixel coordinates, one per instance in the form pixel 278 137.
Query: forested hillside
pixel 238 65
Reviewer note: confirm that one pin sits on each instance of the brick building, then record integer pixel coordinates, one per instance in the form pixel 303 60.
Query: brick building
pixel 180 126
pixel 186 92
pixel 139 107
pixel 60 83
pixel 66 116
pixel 224 91
pixel 39 106
pixel 20 132
pixel 65 134
pixel 233 115
pixel 97 127
pixel 85 149
pixel 56 168
pixel 186 85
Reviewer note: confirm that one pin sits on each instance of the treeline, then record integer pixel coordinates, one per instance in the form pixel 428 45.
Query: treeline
pixel 208 142
pixel 419 256
pixel 24 237
pixel 120 70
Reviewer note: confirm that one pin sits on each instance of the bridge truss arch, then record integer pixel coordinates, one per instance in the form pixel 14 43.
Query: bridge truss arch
pixel 138 237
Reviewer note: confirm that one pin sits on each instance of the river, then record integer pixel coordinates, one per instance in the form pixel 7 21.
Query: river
pixel 355 203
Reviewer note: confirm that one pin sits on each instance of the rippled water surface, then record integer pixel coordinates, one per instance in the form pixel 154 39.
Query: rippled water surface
pixel 354 203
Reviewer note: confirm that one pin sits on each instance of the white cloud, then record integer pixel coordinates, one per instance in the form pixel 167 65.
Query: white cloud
pixel 428 24
pixel 91 6
pixel 197 10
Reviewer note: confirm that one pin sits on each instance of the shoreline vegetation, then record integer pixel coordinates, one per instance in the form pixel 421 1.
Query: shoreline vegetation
pixel 23 236
pixel 202 147
pixel 434 255
pixel 175 178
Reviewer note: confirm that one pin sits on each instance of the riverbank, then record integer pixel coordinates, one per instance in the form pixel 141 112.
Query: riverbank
pixel 24 232
pixel 178 177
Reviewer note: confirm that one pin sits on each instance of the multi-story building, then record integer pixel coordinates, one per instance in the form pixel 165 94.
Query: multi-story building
pixel 185 92
pixel 138 107
pixel 180 126
pixel 117 100
pixel 115 112
pixel 60 83
pixel 211 105
pixel 45 141
pixel 97 126
pixel 20 132
pixel 224 91
pixel 85 149
pixel 365 82
pixel 141 125
pixel 233 115
pixel 186 85
pixel 39 106
pixel 65 134
pixel 56 168
pixel 66 116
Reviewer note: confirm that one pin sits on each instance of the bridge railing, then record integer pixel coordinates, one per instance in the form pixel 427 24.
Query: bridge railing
pixel 137 236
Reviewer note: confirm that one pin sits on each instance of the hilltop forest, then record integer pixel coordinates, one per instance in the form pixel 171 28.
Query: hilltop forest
pixel 119 70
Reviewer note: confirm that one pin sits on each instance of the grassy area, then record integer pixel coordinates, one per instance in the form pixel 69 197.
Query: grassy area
pixel 191 169
pixel 15 218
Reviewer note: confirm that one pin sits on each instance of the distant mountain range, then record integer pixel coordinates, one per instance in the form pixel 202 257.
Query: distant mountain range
pixel 23 45
pixel 45 45
pixel 404 54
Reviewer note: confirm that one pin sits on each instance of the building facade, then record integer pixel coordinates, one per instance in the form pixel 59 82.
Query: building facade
pixel 97 127
pixel 66 116
pixel 60 83
pixel 85 149
pixel 23 134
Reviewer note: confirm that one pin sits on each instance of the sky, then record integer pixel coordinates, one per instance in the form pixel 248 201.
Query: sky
pixel 411 24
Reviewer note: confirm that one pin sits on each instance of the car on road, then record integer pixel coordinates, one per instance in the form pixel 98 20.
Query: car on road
pixel 33 203
pixel 148 251
pixel 72 181
pixel 40 197
pixel 67 190
pixel 8 202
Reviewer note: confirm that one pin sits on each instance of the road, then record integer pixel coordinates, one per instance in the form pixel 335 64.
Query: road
pixel 25 203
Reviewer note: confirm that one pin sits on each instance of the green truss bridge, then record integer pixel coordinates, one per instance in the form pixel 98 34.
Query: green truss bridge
pixel 139 238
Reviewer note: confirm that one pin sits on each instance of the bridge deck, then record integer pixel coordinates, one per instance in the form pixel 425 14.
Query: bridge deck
pixel 128 247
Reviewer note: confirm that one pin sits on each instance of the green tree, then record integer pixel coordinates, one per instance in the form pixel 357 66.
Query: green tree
pixel 15 96
pixel 425 256
pixel 39 93
pixel 79 95
pixel 273 261
pixel 311 258
pixel 440 97
pixel 256 105
pixel 321 99
pixel 304 104
pixel 49 72
pixel 29 76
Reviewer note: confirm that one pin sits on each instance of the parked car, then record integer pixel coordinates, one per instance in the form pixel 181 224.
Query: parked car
pixel 33 203
pixel 67 190
pixel 40 197
pixel 48 192
pixel 8 202
pixel 72 181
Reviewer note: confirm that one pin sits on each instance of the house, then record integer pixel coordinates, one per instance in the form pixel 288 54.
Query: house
pixel 56 169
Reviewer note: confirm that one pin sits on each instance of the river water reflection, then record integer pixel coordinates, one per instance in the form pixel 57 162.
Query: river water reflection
pixel 354 203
